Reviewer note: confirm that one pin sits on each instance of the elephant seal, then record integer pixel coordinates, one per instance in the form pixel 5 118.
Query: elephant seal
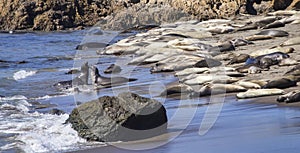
pixel 222 48
pixel 239 59
pixel 275 24
pixel 212 89
pixel 177 90
pixel 106 81
pixel 113 68
pixel 240 42
pixel 81 79
pixel 294 71
pixel 288 62
pixel 254 70
pixel 91 45
pixel 253 93
pixel 265 61
pixel 290 97
pixel 258 37
pixel 248 85
pixel 291 42
pixel 281 83
pixel 208 62
pixel 273 33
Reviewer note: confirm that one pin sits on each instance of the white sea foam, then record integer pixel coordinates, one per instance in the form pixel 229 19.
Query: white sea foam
pixel 16 97
pixel 36 132
pixel 48 133
pixel 23 74
pixel 42 133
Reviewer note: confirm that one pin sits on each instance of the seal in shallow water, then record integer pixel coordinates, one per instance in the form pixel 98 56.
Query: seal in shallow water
pixel 82 79
pixel 107 81
pixel 113 68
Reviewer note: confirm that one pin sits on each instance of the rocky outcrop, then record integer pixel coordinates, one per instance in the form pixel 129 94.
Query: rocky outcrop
pixel 143 14
pixel 50 15
pixel 125 117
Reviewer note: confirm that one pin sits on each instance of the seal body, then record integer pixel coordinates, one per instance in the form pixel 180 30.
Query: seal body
pixel 290 97
pixel 113 68
pixel 280 83
pixel 107 81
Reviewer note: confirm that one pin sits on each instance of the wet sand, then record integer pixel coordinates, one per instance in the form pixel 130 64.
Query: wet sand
pixel 242 126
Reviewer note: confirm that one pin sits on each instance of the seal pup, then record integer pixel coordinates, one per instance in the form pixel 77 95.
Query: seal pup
pixel 290 97
pixel 97 79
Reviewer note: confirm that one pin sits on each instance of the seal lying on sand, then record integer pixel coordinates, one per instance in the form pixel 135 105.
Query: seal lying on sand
pixel 294 71
pixel 212 89
pixel 239 59
pixel 290 97
pixel 281 83
pixel 252 93
pixel 273 33
pixel 97 79
pixel 265 61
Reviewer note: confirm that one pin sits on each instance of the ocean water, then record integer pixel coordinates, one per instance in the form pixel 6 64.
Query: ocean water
pixel 31 63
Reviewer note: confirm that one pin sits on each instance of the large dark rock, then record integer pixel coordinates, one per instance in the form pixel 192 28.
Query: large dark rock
pixel 125 117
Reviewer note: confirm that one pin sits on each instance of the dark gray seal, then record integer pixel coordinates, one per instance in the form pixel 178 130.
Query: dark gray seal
pixel 107 81
pixel 265 61
pixel 91 45
pixel 81 79
pixel 275 24
pixel 208 62
pixel 228 46
pixel 281 83
pixel 113 68
pixel 274 33
pixel 290 97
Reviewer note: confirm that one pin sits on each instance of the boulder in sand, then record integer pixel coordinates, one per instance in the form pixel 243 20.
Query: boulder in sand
pixel 125 117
